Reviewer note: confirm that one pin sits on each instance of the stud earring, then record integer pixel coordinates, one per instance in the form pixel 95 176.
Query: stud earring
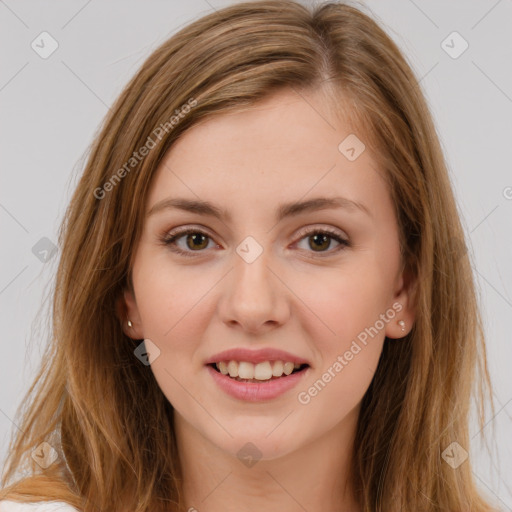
pixel 401 323
pixel 129 324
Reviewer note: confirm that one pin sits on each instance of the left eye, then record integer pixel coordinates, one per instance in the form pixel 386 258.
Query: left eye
pixel 322 239
pixel 196 240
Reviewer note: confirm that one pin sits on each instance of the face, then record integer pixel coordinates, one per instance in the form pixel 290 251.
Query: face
pixel 322 284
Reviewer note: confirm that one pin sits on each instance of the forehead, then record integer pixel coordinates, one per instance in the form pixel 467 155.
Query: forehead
pixel 283 148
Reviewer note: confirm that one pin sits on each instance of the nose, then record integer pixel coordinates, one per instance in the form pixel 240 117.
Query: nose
pixel 254 300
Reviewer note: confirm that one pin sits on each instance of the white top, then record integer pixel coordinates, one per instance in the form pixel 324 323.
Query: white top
pixel 41 506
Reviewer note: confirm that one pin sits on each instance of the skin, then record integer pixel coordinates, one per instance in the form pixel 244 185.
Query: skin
pixel 312 302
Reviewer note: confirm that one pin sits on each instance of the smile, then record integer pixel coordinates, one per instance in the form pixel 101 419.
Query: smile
pixel 266 370
pixel 256 382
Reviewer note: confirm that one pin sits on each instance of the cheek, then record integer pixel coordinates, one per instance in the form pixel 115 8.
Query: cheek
pixel 171 299
pixel 348 338
pixel 336 391
pixel 348 334
pixel 172 305
pixel 337 306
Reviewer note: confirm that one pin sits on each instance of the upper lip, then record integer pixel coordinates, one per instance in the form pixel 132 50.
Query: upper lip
pixel 255 356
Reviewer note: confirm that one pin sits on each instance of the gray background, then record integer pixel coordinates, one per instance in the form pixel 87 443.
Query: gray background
pixel 51 108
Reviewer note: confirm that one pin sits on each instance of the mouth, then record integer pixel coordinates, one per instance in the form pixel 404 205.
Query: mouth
pixel 261 373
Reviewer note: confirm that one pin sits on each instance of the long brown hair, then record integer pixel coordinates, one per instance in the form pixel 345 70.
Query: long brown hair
pixel 103 411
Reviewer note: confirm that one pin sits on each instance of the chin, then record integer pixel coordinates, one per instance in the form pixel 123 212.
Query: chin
pixel 250 449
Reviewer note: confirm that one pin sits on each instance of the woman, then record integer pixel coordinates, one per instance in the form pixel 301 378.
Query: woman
pixel 263 298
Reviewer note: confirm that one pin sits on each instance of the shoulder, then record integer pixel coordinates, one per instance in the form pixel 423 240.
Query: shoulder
pixel 40 506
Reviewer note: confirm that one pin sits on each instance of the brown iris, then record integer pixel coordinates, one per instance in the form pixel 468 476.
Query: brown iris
pixel 197 240
pixel 325 239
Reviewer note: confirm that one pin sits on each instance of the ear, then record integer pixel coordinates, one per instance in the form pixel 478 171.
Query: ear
pixel 403 305
pixel 126 307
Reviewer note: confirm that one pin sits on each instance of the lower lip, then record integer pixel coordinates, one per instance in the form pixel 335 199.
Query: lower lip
pixel 254 391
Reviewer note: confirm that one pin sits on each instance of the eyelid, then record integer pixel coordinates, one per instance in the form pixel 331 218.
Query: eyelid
pixel 314 228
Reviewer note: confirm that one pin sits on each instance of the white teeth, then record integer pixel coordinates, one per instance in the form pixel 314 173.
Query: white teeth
pixel 277 370
pixel 288 368
pixel 233 369
pixel 245 370
pixel 261 371
pixel 223 367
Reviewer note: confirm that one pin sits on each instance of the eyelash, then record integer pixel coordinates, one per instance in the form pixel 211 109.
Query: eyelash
pixel 170 239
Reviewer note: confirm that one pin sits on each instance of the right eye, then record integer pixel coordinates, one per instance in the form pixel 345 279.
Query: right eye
pixel 194 240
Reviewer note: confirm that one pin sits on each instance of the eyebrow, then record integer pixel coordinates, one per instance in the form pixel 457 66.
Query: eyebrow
pixel 283 211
